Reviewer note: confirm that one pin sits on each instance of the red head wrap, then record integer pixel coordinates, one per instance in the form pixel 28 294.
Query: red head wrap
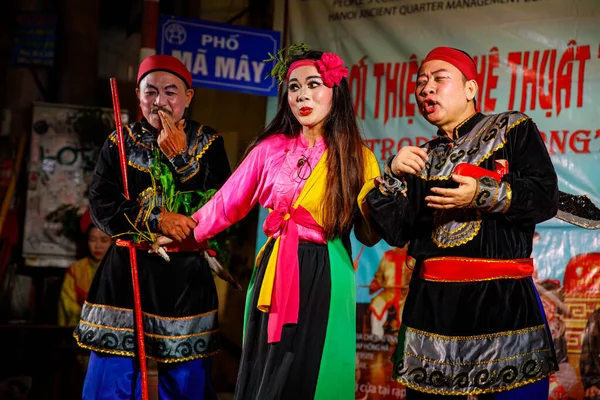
pixel 160 62
pixel 460 60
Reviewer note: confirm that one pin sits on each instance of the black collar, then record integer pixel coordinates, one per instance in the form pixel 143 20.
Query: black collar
pixel 147 128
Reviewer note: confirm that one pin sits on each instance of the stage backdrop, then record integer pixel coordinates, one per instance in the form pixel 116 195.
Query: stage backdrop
pixel 538 57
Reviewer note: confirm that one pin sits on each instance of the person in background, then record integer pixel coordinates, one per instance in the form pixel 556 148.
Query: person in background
pixel 79 275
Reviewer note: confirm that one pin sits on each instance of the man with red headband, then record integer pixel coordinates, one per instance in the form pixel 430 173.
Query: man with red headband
pixel 468 202
pixel 172 163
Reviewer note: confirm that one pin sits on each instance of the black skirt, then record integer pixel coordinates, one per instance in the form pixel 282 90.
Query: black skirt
pixel 466 338
pixel 289 368
pixel 179 304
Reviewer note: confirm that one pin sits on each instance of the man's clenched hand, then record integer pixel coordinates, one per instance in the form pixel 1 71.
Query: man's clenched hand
pixel 176 226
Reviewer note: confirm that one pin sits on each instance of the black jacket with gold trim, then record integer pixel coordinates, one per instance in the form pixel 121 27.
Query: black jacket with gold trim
pixel 203 166
pixel 501 220
pixel 482 336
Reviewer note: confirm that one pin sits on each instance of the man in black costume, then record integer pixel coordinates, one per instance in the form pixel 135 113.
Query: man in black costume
pixel 468 202
pixel 172 163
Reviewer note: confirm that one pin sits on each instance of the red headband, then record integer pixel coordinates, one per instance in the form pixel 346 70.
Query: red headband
pixel 330 67
pixel 161 62
pixel 460 60
pixel 300 63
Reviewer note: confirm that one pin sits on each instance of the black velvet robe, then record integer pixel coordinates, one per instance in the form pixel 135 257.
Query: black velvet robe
pixel 485 336
pixel 178 298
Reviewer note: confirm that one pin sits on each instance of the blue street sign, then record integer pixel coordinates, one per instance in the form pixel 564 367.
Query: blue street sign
pixel 221 56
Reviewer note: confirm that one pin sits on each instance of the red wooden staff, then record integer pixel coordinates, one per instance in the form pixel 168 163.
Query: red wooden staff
pixel 137 309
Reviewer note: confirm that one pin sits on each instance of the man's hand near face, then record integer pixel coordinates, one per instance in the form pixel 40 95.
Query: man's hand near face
pixel 172 140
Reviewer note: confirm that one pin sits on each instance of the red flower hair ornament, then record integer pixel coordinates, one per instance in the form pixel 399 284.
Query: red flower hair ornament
pixel 330 67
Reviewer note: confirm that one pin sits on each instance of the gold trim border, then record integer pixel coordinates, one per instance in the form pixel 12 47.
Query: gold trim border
pixel 152 335
pixel 132 354
pixel 474 391
pixel 474 362
pixel 475 337
pixel 152 315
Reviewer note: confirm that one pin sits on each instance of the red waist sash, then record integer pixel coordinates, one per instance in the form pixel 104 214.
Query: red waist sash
pixel 188 244
pixel 464 269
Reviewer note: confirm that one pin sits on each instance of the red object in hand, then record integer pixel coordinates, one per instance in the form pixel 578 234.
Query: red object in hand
pixel 476 172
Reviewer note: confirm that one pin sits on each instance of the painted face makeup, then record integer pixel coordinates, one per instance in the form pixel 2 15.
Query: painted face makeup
pixel 164 91
pixel 441 94
pixel 308 97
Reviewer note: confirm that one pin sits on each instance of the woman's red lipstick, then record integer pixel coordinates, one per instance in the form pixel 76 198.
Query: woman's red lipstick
pixel 305 111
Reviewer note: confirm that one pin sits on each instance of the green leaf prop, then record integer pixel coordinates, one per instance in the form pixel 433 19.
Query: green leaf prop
pixel 282 60
pixel 176 201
